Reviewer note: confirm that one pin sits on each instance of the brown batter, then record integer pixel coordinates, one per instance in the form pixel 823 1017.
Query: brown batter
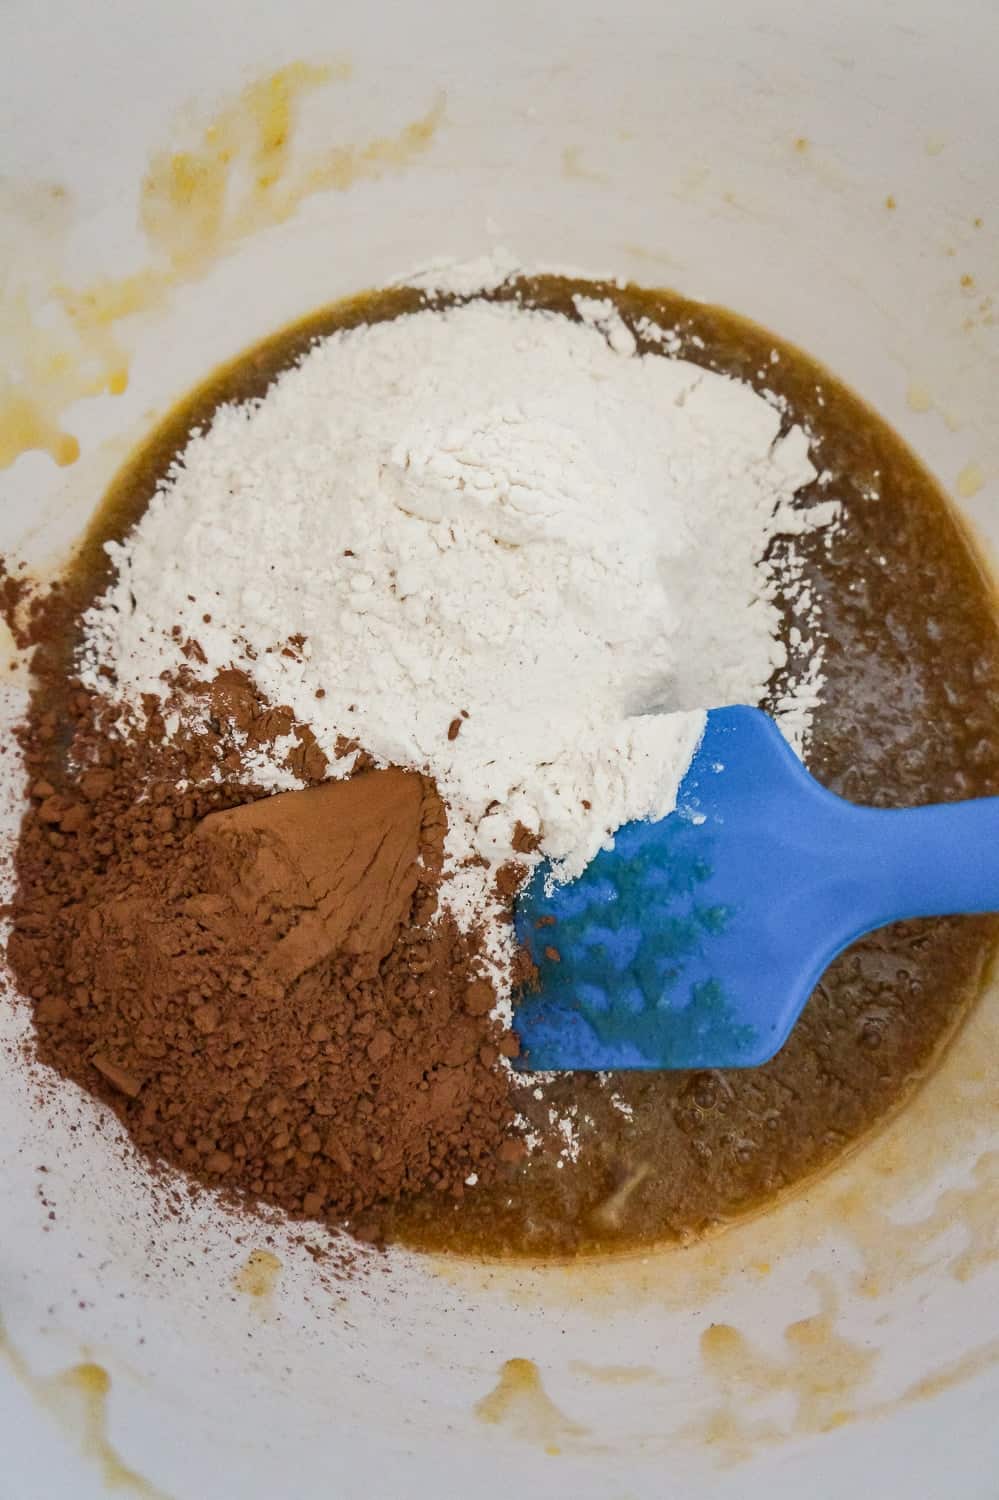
pixel 909 715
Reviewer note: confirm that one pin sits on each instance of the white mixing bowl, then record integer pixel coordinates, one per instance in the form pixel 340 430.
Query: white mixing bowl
pixel 830 171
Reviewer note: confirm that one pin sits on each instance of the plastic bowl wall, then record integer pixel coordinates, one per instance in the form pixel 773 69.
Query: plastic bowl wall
pixel 830 171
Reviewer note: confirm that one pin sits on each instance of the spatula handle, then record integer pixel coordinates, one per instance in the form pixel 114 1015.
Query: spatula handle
pixel 929 861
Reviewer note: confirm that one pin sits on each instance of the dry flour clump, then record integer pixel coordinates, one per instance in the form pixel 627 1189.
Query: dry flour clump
pixel 523 559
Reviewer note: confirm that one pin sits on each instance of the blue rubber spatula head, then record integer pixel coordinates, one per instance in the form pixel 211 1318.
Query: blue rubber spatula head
pixel 696 941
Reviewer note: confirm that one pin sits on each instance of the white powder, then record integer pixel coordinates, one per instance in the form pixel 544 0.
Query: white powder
pixel 464 278
pixel 484 512
pixel 566 1125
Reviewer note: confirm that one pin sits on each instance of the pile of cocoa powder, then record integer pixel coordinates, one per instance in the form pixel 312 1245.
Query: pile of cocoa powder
pixel 260 987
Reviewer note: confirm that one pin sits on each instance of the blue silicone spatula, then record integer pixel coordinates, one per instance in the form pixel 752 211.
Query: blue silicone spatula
pixel 696 941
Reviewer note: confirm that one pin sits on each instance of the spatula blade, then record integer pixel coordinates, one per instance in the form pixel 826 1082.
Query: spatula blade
pixel 697 939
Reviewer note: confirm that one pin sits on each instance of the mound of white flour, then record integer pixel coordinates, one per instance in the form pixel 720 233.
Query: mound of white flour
pixel 488 519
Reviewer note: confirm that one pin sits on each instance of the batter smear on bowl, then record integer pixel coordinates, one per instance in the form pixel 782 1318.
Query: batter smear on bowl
pixel 432 586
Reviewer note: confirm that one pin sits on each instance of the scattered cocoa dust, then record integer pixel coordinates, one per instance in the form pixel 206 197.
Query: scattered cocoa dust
pixel 258 986
pixel 25 604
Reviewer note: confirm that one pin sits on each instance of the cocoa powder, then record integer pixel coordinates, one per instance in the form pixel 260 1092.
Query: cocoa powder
pixel 259 987
pixel 327 871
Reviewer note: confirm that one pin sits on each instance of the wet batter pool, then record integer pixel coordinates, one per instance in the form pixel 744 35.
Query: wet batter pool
pixel 910 714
